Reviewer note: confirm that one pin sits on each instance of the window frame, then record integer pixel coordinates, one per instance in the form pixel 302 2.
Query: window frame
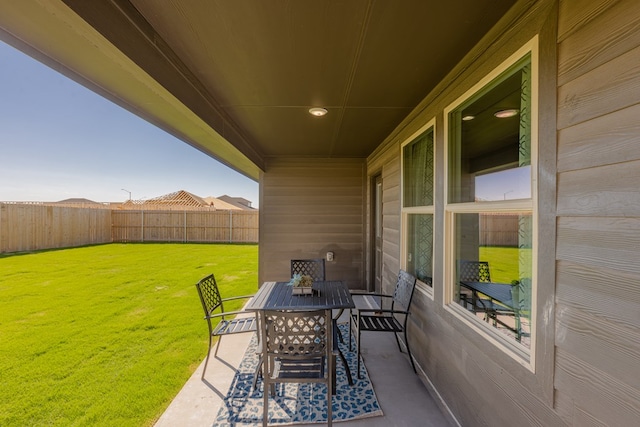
pixel 427 209
pixel 524 356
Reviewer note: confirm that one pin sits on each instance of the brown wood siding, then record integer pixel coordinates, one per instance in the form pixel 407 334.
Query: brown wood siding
pixel 479 383
pixel 588 344
pixel 597 379
pixel 581 48
pixel 609 139
pixel 390 221
pixel 612 86
pixel 309 207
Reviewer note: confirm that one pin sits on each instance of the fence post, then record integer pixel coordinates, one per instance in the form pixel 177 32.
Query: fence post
pixel 230 226
pixel 142 226
pixel 185 227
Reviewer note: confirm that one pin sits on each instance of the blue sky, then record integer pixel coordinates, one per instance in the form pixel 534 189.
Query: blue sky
pixel 509 184
pixel 59 140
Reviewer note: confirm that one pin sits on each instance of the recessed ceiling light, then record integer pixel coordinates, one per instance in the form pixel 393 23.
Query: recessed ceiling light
pixel 503 114
pixel 318 111
pixel 468 117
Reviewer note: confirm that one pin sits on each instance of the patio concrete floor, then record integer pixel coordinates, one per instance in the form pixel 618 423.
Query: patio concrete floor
pixel 404 399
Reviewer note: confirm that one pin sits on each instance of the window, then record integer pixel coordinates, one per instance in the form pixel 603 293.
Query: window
pixel 489 209
pixel 417 206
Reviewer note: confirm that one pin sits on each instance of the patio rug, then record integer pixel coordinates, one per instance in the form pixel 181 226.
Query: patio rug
pixel 299 403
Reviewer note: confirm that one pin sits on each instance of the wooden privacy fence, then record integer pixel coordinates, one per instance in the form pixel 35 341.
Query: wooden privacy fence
pixel 33 226
pixel 28 227
pixel 185 226
pixel 499 230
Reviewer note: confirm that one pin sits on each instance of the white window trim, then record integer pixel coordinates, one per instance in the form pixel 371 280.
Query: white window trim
pixel 525 357
pixel 420 286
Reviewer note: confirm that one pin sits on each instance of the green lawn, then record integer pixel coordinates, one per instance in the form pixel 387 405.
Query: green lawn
pixel 503 262
pixel 107 335
pixel 504 266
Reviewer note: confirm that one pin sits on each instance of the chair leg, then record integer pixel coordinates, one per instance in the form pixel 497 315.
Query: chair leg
pixel 398 342
pixel 258 373
pixel 358 349
pixel 335 321
pixel 337 337
pixel 206 361
pixel 215 354
pixel 329 406
pixel 346 368
pixel 333 375
pixel 406 341
pixel 331 387
pixel 350 329
pixel 265 405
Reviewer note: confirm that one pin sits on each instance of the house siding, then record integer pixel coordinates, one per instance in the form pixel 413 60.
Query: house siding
pixel 309 207
pixel 597 380
pixel 587 348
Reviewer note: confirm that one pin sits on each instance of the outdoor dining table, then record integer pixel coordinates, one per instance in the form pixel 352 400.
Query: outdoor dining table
pixel 502 293
pixel 499 292
pixel 327 295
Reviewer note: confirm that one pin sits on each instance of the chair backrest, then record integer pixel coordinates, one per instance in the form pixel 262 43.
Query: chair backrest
pixel 309 267
pixel 209 295
pixel 296 334
pixel 296 348
pixel 473 271
pixel 403 293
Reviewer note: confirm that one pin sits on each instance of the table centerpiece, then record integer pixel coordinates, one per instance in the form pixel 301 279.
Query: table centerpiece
pixel 302 284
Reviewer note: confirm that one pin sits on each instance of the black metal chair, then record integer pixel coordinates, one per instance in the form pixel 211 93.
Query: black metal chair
pixel 473 271
pixel 316 269
pixel 309 267
pixel 213 306
pixel 386 320
pixel 478 271
pixel 296 349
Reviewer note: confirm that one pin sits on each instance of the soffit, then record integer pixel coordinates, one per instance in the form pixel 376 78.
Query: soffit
pixel 251 69
pixel 369 63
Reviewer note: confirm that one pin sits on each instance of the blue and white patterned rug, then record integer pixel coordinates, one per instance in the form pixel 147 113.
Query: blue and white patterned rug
pixel 299 403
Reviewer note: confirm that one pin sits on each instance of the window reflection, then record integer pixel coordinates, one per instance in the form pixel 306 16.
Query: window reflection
pixel 510 184
pixel 420 246
pixel 418 171
pixel 489 160
pixel 501 243
pixel 417 205
pixel 489 155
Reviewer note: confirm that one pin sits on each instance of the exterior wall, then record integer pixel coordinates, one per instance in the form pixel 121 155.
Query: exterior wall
pixel 388 165
pixel 309 207
pixel 586 352
pixel 597 372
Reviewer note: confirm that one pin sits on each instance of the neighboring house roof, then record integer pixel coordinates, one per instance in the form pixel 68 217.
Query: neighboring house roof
pixel 183 199
pixel 239 202
pixel 220 205
pixel 180 198
pixel 78 200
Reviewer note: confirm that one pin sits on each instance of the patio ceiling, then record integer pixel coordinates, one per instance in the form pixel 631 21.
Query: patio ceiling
pixel 250 70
